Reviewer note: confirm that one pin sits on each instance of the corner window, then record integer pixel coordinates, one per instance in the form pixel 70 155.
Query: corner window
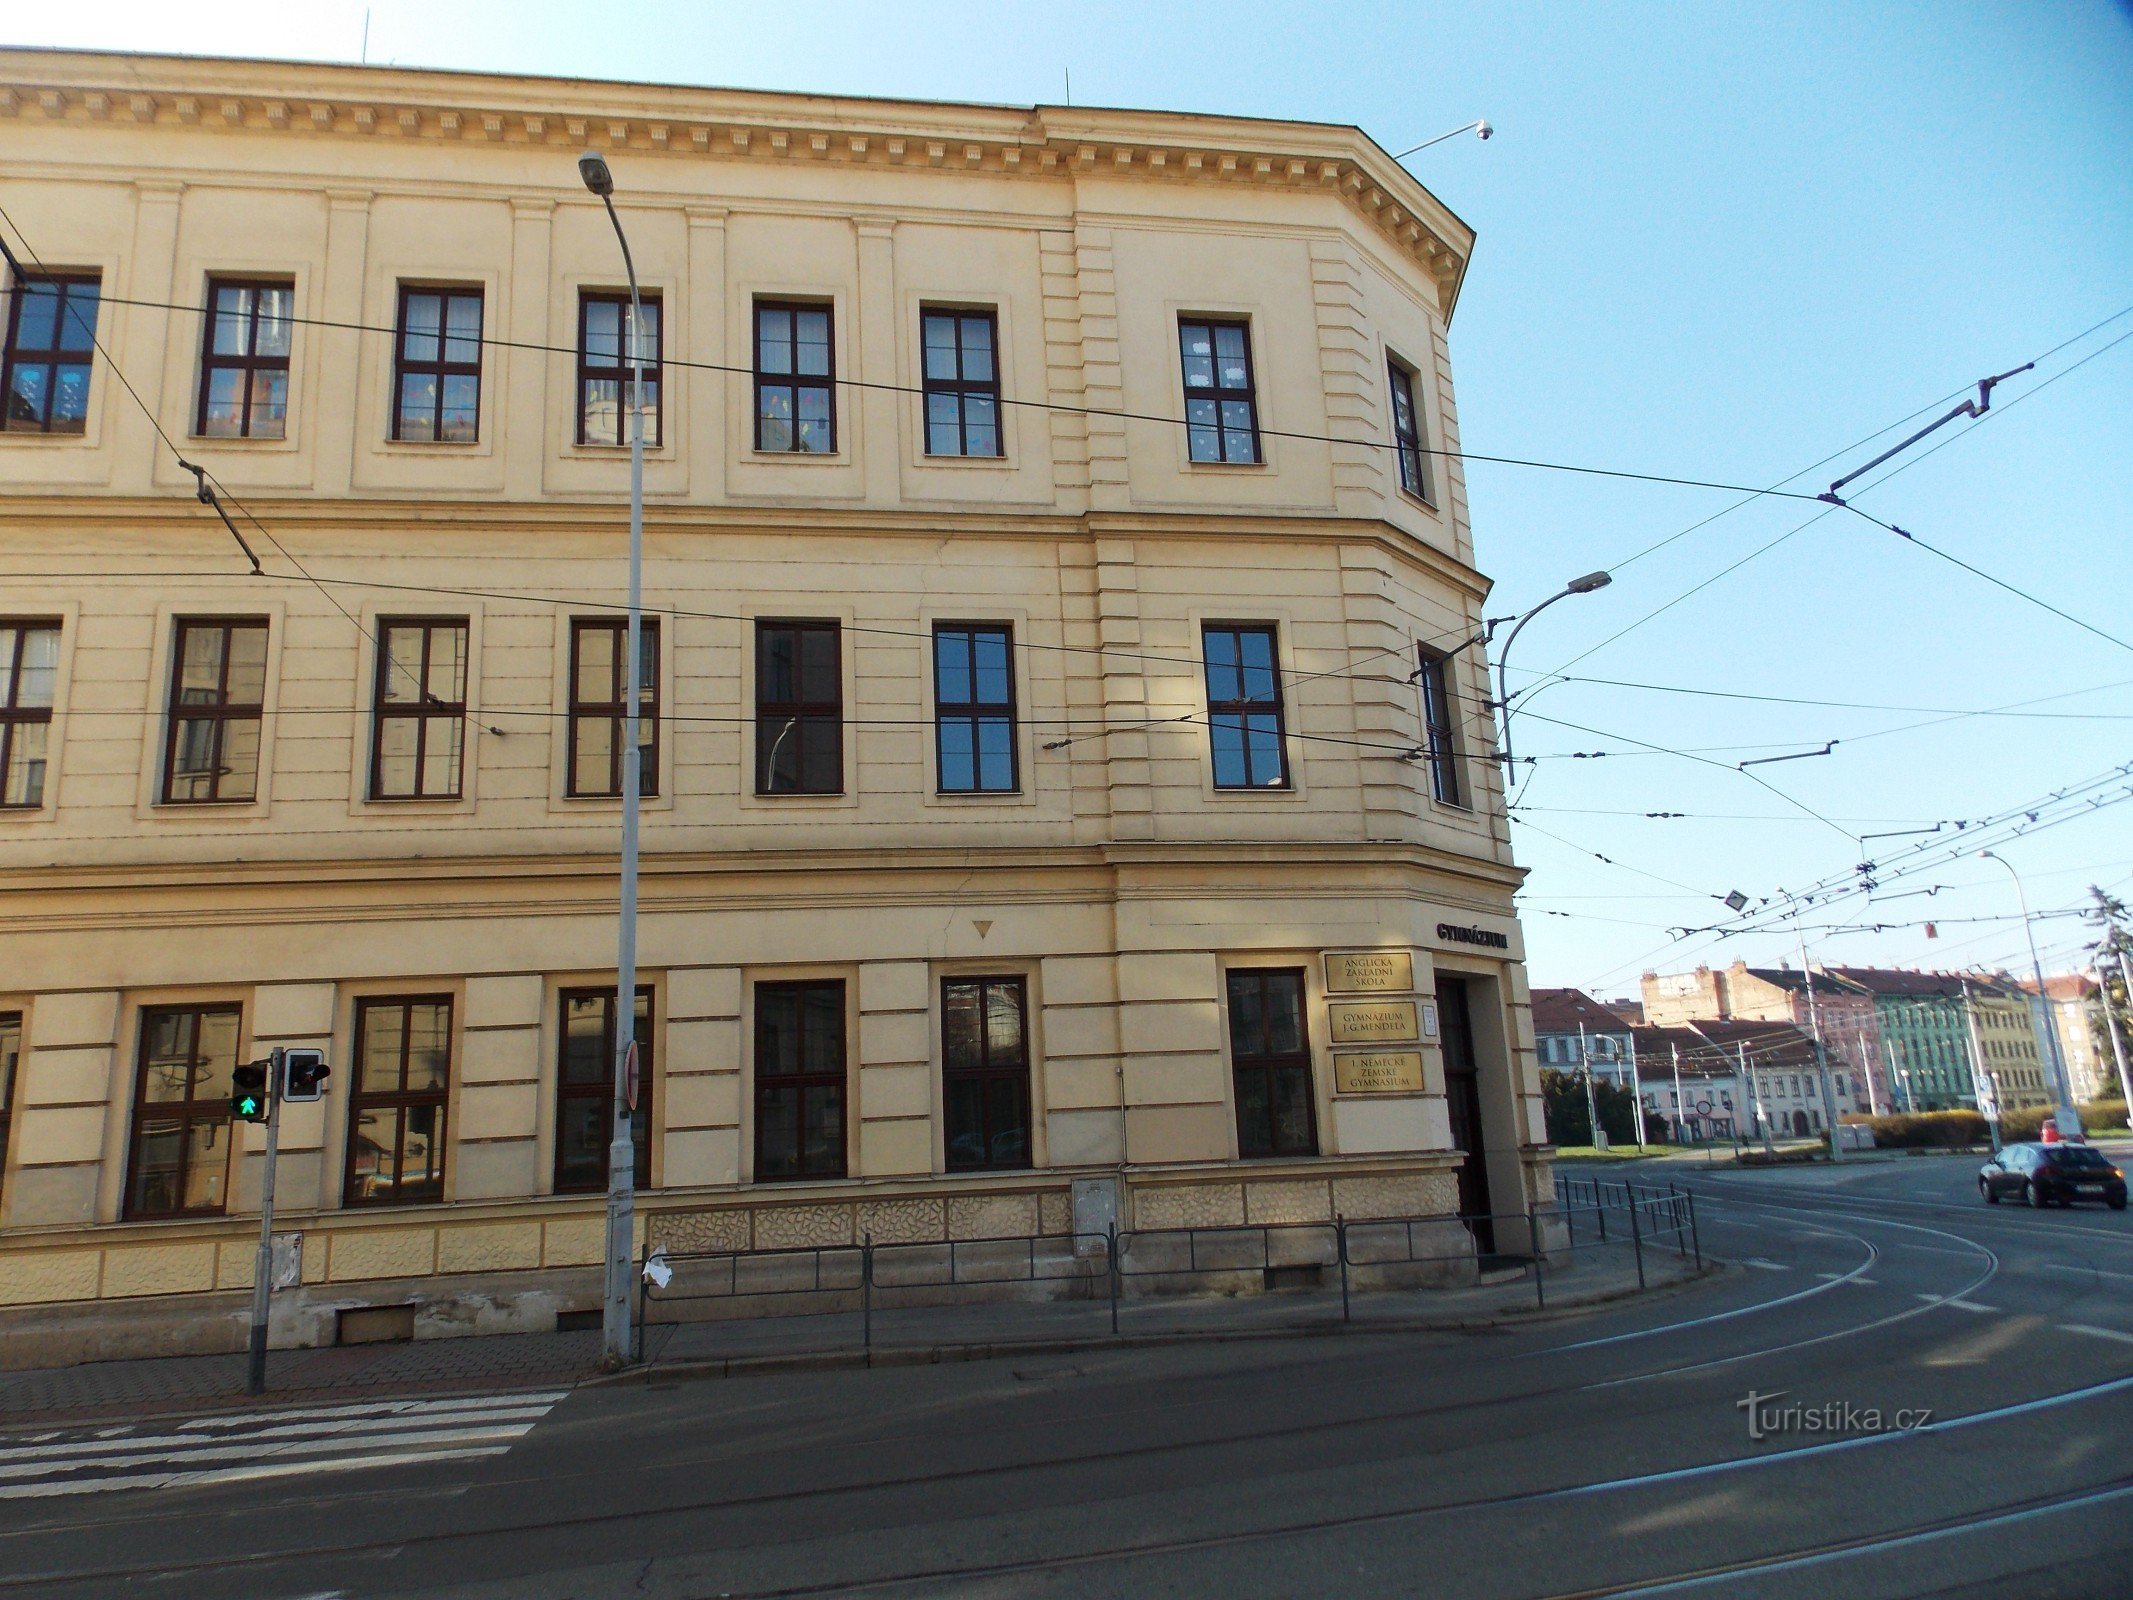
pixel 799 708
pixel 244 368
pixel 599 666
pixel 180 1159
pixel 218 689
pixel 607 333
pixel 1407 432
pixel 1244 707
pixel 974 708
pixel 962 383
pixel 585 1090
pixel 419 709
pixel 1433 680
pixel 396 1109
pixel 51 342
pixel 799 1081
pixel 985 1073
pixel 795 376
pixel 29 675
pixel 1221 410
pixel 1270 1062
pixel 437 366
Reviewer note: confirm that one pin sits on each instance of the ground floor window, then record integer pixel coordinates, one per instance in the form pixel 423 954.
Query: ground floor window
pixel 10 1059
pixel 180 1162
pixel 799 1080
pixel 585 1090
pixel 985 1072
pixel 396 1110
pixel 1270 1058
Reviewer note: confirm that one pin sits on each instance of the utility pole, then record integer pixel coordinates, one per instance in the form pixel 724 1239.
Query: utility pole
pixel 2110 1028
pixel 1592 1104
pixel 1899 1078
pixel 1679 1103
pixel 1814 1023
pixel 1755 1092
pixel 1636 1090
pixel 2063 1113
pixel 1866 1071
pixel 1981 1089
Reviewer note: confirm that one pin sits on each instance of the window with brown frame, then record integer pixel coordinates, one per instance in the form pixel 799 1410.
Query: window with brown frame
pixel 218 688
pixel 961 378
pixel 419 709
pixel 799 708
pixel 974 707
pixel 795 378
pixel 985 1073
pixel 1244 714
pixel 10 1064
pixel 244 362
pixel 29 678
pixel 397 1105
pixel 1270 1060
pixel 1433 680
pixel 599 649
pixel 585 1090
pixel 51 344
pixel 437 366
pixel 606 333
pixel 1221 404
pixel 1407 430
pixel 799 1080
pixel 180 1161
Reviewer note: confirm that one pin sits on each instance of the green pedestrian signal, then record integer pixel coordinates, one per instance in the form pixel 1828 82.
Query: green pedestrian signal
pixel 248 1092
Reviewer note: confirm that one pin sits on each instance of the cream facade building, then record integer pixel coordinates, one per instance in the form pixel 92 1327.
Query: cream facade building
pixel 1059 584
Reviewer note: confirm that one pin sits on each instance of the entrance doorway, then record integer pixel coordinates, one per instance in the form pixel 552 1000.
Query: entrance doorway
pixel 1462 1097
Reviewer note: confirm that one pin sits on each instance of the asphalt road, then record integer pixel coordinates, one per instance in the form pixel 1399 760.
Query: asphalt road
pixel 1607 1454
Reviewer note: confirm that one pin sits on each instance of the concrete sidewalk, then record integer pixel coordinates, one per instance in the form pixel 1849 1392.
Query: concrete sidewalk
pixel 109 1390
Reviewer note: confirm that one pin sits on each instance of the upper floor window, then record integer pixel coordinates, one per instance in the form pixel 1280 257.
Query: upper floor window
pixel 51 338
pixel 1433 678
pixel 396 1106
pixel 437 366
pixel 599 666
pixel 29 673
pixel 1407 431
pixel 244 371
pixel 1221 412
pixel 799 708
pixel 795 375
pixel 962 383
pixel 1244 707
pixel 974 707
pixel 419 709
pixel 607 333
pixel 180 1162
pixel 218 690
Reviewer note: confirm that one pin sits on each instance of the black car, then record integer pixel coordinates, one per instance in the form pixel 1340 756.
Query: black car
pixel 2052 1174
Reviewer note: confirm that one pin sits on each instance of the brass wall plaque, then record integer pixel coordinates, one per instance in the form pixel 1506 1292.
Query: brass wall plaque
pixel 1373 1021
pixel 1371 972
pixel 1378 1072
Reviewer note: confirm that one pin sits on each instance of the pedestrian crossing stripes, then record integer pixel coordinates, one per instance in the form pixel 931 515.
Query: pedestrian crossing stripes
pixel 239 1446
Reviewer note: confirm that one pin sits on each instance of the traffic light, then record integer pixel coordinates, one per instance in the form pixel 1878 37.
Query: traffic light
pixel 248 1092
pixel 304 1073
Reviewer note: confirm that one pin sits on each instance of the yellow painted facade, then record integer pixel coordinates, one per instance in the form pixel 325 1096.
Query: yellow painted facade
pixel 1118 880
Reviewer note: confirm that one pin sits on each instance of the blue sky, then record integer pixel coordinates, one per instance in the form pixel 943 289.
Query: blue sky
pixel 1716 242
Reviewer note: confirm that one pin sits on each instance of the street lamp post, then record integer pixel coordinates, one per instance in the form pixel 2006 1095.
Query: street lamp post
pixel 621 1152
pixel 1584 585
pixel 2063 1113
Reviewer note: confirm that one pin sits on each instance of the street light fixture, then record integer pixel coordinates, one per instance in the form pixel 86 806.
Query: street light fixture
pixel 1585 585
pixel 621 1154
pixel 2063 1113
pixel 1479 126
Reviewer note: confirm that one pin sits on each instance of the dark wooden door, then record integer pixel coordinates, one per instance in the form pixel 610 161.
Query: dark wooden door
pixel 1462 1095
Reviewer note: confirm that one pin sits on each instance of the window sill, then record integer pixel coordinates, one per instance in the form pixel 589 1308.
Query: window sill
pixel 417 445
pixel 929 459
pixel 256 441
pixel 1422 500
pixel 1227 466
pixel 31 436
pixel 808 458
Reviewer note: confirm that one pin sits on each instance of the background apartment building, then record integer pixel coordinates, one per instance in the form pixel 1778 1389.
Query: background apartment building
pixel 1064 780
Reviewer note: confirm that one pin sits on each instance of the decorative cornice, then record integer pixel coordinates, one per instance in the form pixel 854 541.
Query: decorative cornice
pixel 1055 142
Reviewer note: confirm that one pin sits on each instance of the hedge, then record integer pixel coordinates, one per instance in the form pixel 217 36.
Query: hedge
pixel 1955 1130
